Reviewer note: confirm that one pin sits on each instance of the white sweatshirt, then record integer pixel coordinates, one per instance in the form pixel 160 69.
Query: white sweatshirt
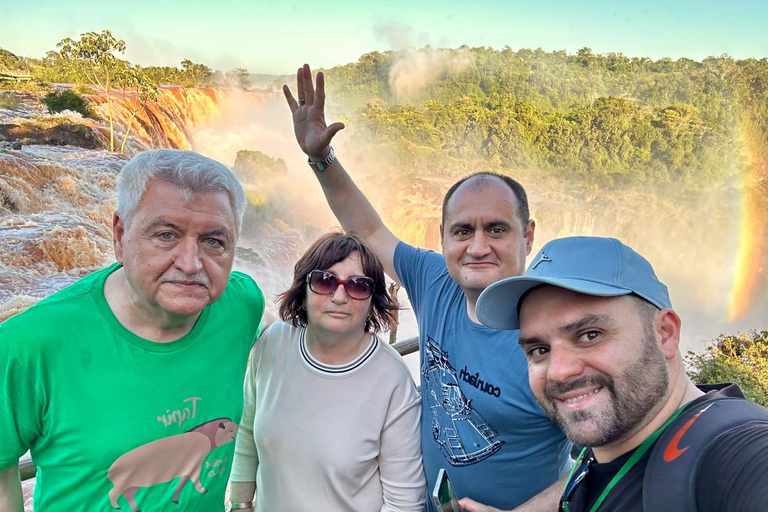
pixel 320 437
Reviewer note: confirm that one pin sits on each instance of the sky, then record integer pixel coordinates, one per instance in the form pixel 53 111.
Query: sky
pixel 275 37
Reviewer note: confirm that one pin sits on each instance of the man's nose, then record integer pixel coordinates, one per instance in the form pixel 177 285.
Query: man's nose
pixel 563 365
pixel 478 245
pixel 188 256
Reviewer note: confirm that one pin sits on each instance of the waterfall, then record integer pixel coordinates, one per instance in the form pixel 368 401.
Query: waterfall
pixel 56 206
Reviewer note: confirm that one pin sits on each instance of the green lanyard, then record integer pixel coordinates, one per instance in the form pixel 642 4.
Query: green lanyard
pixel 641 450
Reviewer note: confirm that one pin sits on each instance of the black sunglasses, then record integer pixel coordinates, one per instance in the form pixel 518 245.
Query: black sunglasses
pixel 576 477
pixel 325 283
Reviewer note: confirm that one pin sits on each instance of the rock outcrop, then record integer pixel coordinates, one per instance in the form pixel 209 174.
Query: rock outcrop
pixel 68 134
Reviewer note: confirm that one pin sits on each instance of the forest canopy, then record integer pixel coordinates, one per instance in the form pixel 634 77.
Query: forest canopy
pixel 606 120
pixel 600 120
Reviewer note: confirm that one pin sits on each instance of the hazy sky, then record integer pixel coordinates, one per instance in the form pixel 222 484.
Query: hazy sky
pixel 277 36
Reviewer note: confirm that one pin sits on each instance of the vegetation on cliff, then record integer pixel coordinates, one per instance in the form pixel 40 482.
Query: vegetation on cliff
pixel 65 66
pixel 601 120
pixel 606 120
pixel 742 359
pixel 11 62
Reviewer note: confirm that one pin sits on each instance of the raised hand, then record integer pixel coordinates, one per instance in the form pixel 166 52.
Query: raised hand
pixel 312 133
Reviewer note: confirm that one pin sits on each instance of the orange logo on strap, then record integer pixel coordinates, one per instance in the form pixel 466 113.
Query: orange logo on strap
pixel 672 451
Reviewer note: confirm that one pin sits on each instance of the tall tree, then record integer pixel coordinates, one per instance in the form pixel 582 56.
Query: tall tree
pixel 238 77
pixel 94 57
pixel 196 74
pixel 137 89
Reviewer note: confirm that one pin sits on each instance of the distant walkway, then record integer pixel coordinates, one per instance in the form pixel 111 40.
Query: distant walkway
pixel 10 76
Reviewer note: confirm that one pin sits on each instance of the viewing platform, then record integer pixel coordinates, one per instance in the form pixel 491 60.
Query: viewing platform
pixel 11 76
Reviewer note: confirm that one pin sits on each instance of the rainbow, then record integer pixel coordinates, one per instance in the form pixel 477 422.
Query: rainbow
pixel 753 220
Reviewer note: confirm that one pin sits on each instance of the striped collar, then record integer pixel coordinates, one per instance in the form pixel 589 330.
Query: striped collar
pixel 336 370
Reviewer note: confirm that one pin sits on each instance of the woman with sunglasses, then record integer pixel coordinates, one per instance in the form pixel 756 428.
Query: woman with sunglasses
pixel 331 416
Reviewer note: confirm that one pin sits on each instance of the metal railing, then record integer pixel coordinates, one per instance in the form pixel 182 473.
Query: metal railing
pixel 408 346
pixel 28 470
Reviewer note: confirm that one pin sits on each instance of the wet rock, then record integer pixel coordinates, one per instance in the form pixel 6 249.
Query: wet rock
pixel 15 145
pixel 28 492
pixel 67 134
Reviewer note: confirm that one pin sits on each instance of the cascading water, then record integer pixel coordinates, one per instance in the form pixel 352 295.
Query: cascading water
pixel 55 218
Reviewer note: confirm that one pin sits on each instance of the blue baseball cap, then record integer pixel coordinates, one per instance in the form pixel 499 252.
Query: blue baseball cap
pixel 591 265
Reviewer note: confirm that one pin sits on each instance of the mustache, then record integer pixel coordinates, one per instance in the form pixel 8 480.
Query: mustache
pixel 199 278
pixel 472 259
pixel 555 389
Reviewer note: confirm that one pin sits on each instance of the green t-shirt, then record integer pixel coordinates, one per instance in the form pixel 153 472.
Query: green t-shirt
pixel 112 418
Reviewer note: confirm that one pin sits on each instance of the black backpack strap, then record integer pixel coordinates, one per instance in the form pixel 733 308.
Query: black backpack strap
pixel 670 477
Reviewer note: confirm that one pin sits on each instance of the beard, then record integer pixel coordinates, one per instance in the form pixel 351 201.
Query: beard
pixel 632 395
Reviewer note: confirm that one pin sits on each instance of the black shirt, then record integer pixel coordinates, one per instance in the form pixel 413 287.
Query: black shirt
pixel 733 476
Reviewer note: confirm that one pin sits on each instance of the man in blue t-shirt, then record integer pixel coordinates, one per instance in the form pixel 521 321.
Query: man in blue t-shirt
pixel 480 420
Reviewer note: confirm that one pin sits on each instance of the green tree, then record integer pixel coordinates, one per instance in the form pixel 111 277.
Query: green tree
pixel 137 90
pixel 585 57
pixel 238 77
pixel 93 55
pixel 742 359
pixel 54 68
pixel 196 74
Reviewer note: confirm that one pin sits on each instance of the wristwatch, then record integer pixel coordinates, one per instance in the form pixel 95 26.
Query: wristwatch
pixel 238 505
pixel 325 162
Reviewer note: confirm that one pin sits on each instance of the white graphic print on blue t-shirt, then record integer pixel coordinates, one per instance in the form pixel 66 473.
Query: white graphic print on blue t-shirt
pixel 461 432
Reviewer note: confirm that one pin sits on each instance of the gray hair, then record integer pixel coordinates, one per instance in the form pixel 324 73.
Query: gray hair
pixel 191 172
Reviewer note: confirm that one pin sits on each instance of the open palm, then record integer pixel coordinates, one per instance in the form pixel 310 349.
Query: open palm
pixel 312 133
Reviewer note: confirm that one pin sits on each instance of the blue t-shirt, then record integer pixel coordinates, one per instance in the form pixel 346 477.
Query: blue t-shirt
pixel 479 418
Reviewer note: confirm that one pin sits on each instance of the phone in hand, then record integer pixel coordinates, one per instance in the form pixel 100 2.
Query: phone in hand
pixel 444 495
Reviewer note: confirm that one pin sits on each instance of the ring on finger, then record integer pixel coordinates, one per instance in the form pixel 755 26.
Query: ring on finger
pixel 301 102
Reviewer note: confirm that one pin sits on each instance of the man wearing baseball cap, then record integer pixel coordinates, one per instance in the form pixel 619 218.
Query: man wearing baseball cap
pixel 601 340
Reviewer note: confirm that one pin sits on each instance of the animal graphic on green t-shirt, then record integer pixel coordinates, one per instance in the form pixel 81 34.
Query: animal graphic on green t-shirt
pixel 166 459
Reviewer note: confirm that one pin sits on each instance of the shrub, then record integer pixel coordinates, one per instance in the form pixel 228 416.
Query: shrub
pixel 84 89
pixel 66 100
pixel 742 359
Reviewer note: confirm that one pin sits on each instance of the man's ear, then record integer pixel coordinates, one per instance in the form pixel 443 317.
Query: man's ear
pixel 667 324
pixel 118 232
pixel 529 236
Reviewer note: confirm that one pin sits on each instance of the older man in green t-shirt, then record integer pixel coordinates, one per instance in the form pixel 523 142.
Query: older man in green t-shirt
pixel 127 385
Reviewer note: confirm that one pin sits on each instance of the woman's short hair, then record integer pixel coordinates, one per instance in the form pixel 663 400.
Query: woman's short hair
pixel 192 172
pixel 325 252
